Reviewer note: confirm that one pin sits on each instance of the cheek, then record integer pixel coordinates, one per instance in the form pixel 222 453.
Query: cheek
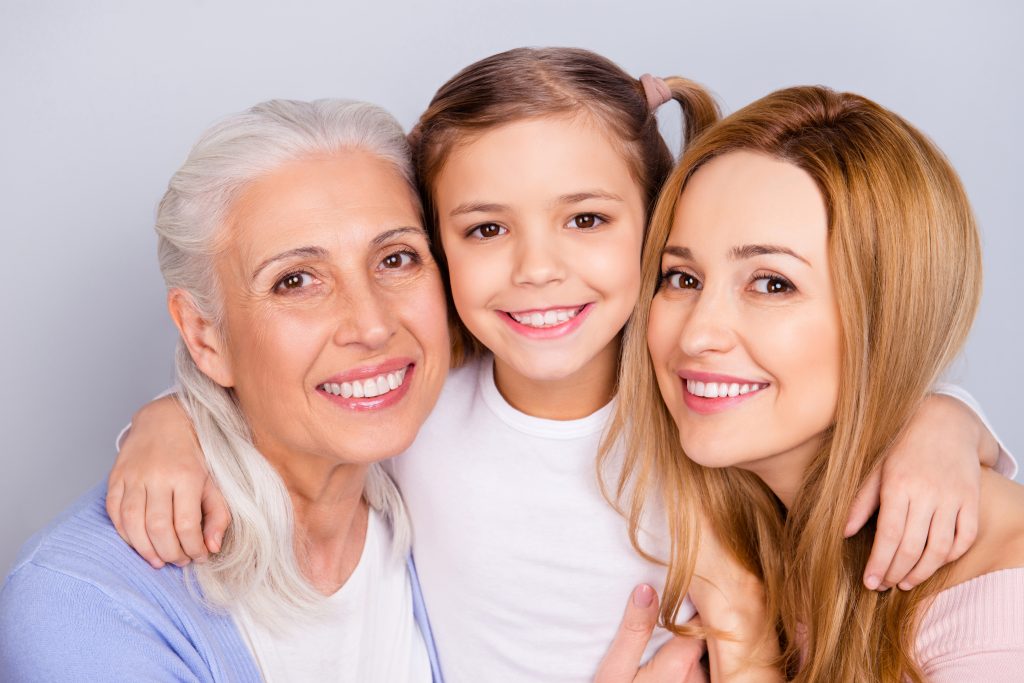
pixel 475 272
pixel 663 330
pixel 422 311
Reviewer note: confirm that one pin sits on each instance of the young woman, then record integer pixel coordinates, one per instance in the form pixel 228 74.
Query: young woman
pixel 812 267
pixel 538 169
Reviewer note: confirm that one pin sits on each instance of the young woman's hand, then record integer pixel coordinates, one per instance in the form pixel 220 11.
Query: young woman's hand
pixel 677 661
pixel 160 497
pixel 926 492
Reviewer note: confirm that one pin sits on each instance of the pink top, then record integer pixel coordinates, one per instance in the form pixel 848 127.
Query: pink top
pixel 974 631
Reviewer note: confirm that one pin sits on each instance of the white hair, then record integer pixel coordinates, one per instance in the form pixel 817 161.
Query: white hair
pixel 256 569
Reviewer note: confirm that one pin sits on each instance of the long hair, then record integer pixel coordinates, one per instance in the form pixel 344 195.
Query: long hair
pixel 906 268
pixel 256 569
pixel 529 82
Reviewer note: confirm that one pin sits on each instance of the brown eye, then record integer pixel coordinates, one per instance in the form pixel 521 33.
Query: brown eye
pixel 772 284
pixel 585 221
pixel 681 280
pixel 293 281
pixel 487 231
pixel 397 260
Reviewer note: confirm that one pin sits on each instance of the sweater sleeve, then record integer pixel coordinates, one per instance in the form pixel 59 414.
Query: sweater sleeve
pixel 1006 464
pixel 54 627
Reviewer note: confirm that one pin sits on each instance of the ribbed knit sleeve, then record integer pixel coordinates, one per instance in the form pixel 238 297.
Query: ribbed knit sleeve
pixel 974 631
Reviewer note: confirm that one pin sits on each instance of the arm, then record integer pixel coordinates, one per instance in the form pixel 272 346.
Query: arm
pixel 160 497
pixel 926 493
pixel 57 628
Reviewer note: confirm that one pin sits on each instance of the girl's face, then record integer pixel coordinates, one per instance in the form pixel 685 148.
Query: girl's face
pixel 542 225
pixel 744 330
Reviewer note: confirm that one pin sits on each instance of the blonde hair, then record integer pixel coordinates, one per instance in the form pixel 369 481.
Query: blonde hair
pixel 555 81
pixel 906 267
pixel 256 569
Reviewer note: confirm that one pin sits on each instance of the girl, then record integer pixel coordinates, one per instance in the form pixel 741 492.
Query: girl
pixel 538 169
pixel 778 260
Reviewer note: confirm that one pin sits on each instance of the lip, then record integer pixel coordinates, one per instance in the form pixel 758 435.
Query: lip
pixel 377 402
pixel 710 406
pixel 553 332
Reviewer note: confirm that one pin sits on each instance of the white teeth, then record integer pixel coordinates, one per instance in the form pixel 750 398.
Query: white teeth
pixel 720 389
pixel 545 319
pixel 375 386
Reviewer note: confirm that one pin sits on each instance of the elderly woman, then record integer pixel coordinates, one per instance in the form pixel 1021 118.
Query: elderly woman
pixel 313 345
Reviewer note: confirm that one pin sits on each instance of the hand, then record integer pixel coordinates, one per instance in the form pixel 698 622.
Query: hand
pixel 160 497
pixel 677 661
pixel 927 493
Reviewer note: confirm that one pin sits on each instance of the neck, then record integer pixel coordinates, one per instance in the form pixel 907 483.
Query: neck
pixel 330 517
pixel 784 472
pixel 567 398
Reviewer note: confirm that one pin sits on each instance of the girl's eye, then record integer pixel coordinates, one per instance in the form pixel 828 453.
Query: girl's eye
pixel 294 281
pixel 399 259
pixel 585 221
pixel 487 231
pixel 679 279
pixel 767 283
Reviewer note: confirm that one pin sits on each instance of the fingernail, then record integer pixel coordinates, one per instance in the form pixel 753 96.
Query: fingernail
pixel 872 582
pixel 905 586
pixel 643 596
pixel 215 544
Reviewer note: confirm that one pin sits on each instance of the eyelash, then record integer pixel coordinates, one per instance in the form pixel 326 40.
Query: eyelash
pixel 475 231
pixel 665 278
pixel 765 275
pixel 281 288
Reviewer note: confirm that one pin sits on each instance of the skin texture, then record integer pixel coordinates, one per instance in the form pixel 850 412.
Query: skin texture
pixel 769 319
pixel 325 271
pixel 536 214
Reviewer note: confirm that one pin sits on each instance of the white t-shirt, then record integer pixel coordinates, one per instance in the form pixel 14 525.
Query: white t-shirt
pixel 367 632
pixel 525 568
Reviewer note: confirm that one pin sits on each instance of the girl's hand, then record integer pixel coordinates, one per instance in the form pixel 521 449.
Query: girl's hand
pixel 926 492
pixel 678 660
pixel 160 497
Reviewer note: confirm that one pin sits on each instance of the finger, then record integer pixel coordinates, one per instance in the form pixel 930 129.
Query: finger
pixel 133 518
pixel 216 516
pixel 940 542
pixel 160 525
pixel 892 518
pixel 622 660
pixel 966 532
pixel 115 495
pixel 187 508
pixel 864 504
pixel 911 548
pixel 675 661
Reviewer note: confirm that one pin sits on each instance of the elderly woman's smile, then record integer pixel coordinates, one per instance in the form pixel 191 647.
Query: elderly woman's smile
pixel 333 333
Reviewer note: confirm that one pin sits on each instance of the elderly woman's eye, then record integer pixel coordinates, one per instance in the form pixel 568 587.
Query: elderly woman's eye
pixel 487 231
pixel 399 259
pixel 680 279
pixel 293 281
pixel 771 283
pixel 586 221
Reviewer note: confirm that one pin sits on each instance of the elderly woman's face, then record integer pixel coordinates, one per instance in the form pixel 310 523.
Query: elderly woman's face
pixel 334 330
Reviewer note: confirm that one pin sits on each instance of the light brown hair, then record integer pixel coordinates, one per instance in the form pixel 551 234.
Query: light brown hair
pixel 530 82
pixel 906 267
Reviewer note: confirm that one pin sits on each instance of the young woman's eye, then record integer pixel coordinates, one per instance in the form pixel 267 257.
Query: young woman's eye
pixel 294 281
pixel 487 231
pixel 585 221
pixel 770 283
pixel 680 279
pixel 399 259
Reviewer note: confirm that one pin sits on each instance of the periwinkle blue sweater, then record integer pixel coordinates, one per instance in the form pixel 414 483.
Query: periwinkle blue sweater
pixel 80 605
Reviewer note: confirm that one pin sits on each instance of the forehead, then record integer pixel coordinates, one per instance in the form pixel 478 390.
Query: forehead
pixel 538 156
pixel 347 197
pixel 746 197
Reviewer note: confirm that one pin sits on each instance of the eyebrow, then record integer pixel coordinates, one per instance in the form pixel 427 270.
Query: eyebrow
pixel 573 198
pixel 738 253
pixel 315 252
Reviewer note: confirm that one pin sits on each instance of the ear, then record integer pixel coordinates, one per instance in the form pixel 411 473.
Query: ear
pixel 205 343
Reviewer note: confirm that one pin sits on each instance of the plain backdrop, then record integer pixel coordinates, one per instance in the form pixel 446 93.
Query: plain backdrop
pixel 100 101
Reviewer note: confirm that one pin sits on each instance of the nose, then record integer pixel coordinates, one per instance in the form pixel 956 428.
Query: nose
pixel 710 325
pixel 366 318
pixel 538 258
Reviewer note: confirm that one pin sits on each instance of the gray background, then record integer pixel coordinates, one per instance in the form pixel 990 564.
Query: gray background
pixel 101 100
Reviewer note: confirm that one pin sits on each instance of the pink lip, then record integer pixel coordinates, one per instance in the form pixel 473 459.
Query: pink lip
pixel 553 332
pixel 377 402
pixel 710 406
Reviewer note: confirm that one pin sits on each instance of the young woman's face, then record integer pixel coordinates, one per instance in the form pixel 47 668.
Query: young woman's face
pixel 542 225
pixel 744 330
